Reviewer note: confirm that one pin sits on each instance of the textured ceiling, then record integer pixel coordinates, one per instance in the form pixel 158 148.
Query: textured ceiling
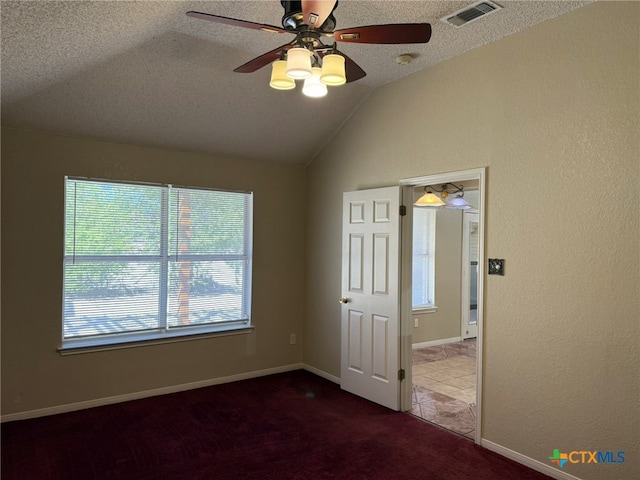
pixel 144 73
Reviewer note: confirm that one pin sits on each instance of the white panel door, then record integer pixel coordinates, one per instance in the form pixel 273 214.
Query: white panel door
pixel 370 295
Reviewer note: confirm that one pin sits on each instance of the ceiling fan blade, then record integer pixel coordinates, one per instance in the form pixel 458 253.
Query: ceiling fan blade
pixel 236 23
pixel 315 12
pixel 353 71
pixel 263 60
pixel 391 34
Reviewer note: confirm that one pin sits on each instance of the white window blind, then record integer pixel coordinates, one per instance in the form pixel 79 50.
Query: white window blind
pixel 423 267
pixel 152 261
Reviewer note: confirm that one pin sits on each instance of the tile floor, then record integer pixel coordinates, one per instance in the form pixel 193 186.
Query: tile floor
pixel 444 386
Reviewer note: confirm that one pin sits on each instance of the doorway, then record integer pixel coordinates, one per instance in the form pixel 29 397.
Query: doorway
pixel 447 363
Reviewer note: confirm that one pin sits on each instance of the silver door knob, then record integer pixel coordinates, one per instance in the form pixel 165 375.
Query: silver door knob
pixel 344 300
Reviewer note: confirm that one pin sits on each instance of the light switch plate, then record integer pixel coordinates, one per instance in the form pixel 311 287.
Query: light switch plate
pixel 496 266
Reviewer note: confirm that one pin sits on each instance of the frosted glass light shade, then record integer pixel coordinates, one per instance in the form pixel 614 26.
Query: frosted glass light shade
pixel 313 87
pixel 458 203
pixel 429 200
pixel 333 70
pixel 279 79
pixel 298 63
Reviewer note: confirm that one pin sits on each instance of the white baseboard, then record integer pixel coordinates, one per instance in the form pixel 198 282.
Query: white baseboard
pixel 435 343
pixel 322 373
pixel 70 407
pixel 528 462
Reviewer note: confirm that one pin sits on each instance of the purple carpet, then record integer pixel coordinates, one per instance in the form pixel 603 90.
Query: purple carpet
pixel 293 425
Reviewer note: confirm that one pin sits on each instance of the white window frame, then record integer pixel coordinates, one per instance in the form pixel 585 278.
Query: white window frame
pixel 430 213
pixel 164 333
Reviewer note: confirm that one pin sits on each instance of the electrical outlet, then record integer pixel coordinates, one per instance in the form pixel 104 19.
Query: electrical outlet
pixel 415 322
pixel 292 339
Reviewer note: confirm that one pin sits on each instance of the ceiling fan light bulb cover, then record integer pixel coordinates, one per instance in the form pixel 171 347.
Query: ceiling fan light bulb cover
pixel 333 72
pixel 313 87
pixel 279 79
pixel 429 200
pixel 298 63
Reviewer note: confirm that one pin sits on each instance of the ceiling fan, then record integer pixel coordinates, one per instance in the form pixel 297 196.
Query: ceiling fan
pixel 312 21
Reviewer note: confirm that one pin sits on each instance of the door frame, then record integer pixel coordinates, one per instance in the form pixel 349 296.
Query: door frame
pixel 406 327
pixel 466 276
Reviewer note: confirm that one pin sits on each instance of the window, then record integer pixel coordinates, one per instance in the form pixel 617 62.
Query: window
pixel 424 240
pixel 146 262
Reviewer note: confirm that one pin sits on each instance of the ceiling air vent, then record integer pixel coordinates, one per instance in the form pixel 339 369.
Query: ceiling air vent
pixel 471 13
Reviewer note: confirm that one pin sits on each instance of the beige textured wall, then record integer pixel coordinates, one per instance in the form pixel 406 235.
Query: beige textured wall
pixel 34 375
pixel 553 112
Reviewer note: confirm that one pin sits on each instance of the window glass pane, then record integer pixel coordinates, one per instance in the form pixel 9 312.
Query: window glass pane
pixel 420 280
pixel 110 297
pixel 202 292
pixel 112 219
pixel 423 256
pixel 421 231
pixel 206 222
pixel 150 260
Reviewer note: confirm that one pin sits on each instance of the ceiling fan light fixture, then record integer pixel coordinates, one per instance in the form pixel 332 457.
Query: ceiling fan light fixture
pixel 298 63
pixel 313 87
pixel 333 70
pixel 279 79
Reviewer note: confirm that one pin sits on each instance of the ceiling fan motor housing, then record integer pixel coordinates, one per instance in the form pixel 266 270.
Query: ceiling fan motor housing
pixel 293 20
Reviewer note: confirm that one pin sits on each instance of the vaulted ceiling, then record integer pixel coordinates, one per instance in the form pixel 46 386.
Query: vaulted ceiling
pixel 144 73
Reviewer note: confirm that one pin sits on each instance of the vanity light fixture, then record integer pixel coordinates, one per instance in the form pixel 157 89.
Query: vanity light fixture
pixel 430 199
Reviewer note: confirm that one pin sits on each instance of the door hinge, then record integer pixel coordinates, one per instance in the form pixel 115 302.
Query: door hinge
pixel 403 210
pixel 401 374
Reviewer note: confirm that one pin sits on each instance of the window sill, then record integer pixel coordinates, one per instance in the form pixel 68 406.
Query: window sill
pixel 431 309
pixel 78 346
